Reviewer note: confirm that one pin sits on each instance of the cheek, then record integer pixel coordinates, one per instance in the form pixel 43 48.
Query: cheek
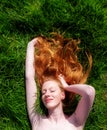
pixel 59 96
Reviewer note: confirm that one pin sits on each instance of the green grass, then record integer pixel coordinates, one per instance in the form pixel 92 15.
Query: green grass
pixel 20 21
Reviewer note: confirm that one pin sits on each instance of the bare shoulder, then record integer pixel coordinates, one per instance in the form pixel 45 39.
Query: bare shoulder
pixel 41 122
pixel 38 119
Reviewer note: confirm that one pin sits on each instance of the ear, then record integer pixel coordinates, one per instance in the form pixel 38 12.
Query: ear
pixel 63 95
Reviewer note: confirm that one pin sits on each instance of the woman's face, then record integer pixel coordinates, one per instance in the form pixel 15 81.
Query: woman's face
pixel 52 95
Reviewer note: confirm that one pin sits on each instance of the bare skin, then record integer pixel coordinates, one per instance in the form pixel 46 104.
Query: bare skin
pixel 52 97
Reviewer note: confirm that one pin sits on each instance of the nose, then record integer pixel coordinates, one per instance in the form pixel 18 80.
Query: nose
pixel 47 94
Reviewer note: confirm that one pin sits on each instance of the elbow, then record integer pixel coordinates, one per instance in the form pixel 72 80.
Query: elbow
pixel 29 75
pixel 91 90
pixel 90 93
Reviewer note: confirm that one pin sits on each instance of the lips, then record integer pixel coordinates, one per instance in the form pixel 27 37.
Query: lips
pixel 47 100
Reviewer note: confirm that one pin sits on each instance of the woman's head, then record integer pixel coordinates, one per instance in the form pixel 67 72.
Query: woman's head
pixel 56 96
pixel 52 94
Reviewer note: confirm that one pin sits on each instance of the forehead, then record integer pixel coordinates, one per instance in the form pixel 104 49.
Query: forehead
pixel 50 84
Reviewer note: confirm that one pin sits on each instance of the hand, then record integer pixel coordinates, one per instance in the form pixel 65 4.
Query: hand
pixel 63 82
pixel 33 42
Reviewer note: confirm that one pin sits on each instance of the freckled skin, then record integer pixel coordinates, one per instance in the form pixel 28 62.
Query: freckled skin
pixel 52 97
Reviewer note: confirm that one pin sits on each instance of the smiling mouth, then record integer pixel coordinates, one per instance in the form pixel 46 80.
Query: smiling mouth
pixel 48 100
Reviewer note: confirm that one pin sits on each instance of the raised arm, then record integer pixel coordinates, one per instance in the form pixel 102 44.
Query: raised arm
pixel 87 94
pixel 31 88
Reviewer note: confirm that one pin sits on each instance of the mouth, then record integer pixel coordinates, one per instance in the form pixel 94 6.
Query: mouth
pixel 48 100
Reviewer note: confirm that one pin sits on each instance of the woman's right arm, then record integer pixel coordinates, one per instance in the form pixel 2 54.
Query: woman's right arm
pixel 31 88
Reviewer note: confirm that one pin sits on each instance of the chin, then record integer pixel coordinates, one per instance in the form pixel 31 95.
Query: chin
pixel 51 106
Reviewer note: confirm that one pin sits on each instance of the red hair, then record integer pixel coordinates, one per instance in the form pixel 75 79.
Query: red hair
pixel 58 55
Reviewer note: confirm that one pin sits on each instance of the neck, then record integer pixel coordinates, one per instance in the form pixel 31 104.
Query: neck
pixel 56 114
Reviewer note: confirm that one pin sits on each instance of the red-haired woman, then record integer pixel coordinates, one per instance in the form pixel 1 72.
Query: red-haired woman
pixel 54 63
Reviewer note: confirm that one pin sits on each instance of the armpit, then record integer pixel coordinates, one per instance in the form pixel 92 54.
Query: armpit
pixel 36 120
pixel 73 119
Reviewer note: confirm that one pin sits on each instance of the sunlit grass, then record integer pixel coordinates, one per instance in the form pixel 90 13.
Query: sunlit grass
pixel 20 21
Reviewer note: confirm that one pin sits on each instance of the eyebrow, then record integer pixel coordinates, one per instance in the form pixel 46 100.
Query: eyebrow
pixel 49 88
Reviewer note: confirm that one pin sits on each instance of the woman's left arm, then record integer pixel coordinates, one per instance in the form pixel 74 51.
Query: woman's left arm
pixel 84 106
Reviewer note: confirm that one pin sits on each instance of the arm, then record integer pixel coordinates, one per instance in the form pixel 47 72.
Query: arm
pixel 31 88
pixel 87 94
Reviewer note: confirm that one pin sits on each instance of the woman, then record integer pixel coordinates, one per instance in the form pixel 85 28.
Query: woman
pixel 57 74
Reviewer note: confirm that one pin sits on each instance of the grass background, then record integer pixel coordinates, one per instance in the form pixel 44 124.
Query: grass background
pixel 20 21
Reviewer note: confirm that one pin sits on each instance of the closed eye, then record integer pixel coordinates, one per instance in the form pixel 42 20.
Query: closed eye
pixel 43 92
pixel 52 91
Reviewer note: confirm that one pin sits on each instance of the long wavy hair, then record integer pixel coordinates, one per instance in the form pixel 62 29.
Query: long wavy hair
pixel 59 55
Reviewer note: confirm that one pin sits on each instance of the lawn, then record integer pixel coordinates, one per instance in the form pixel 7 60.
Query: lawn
pixel 20 21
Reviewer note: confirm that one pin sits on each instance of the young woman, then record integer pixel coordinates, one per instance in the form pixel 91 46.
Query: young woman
pixel 58 71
